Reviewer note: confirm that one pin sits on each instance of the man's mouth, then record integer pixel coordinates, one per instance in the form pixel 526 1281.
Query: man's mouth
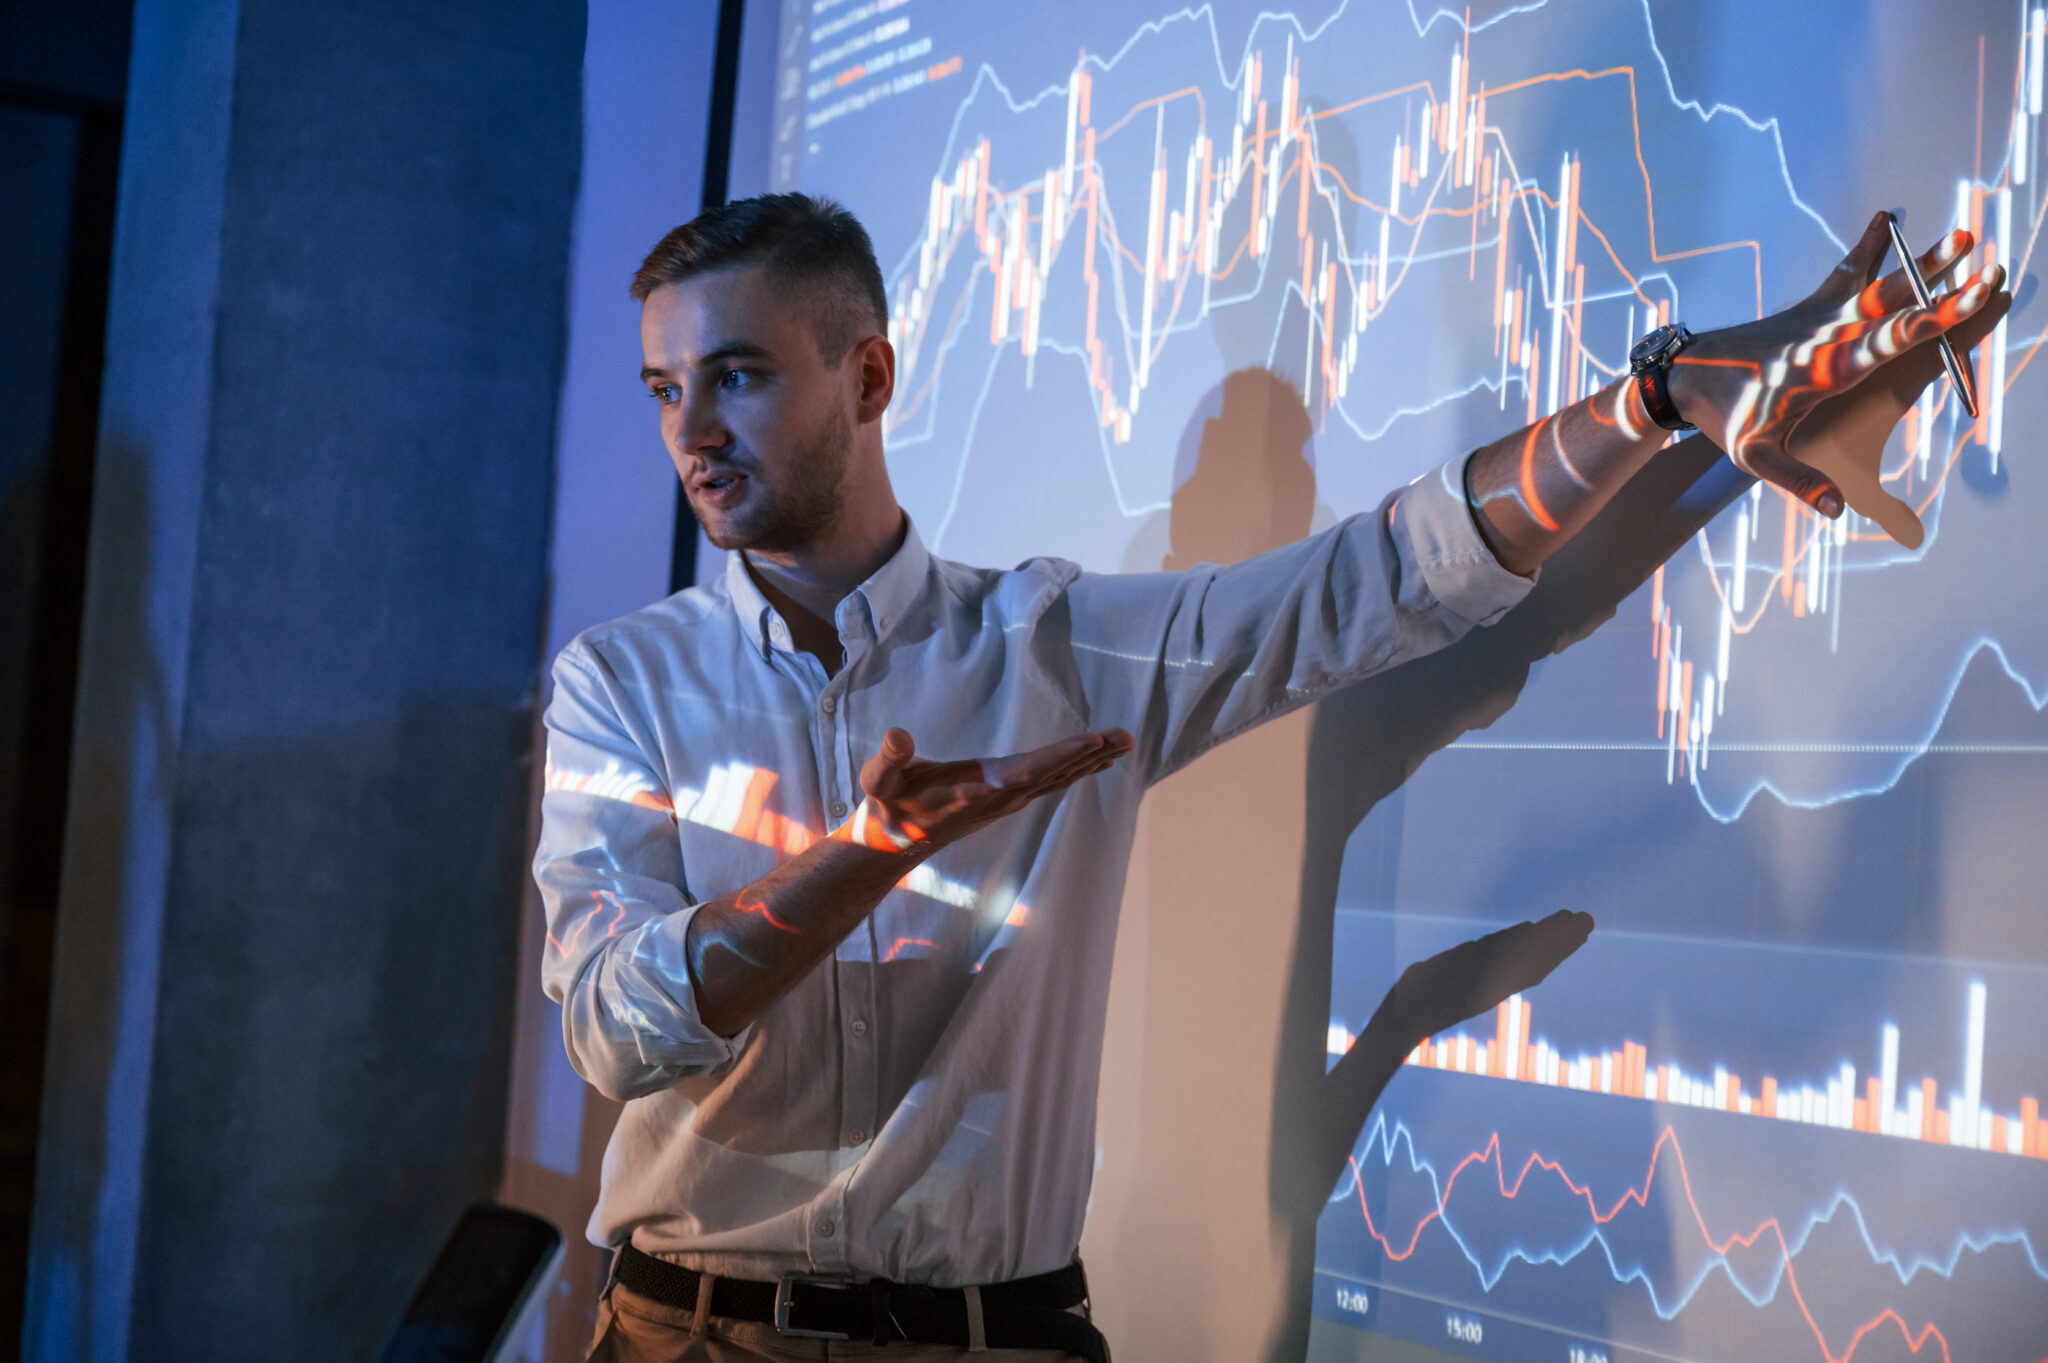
pixel 720 489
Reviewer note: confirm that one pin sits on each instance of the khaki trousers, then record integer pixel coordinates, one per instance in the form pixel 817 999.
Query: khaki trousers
pixel 633 1329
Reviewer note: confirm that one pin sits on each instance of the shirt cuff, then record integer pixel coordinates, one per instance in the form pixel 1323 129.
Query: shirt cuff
pixel 1433 528
pixel 667 952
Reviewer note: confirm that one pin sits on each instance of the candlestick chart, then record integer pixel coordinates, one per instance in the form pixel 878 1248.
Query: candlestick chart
pixel 1800 752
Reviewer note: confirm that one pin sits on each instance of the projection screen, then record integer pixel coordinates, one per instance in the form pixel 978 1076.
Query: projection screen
pixel 1781 1105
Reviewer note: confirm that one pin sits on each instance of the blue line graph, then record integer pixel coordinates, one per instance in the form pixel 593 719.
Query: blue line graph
pixel 1907 750
pixel 1382 1138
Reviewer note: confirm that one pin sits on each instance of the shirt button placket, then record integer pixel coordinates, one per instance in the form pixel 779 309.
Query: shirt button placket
pixel 831 741
pixel 829 1231
pixel 857 1118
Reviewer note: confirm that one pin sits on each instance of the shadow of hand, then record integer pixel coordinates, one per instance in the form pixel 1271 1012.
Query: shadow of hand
pixel 1437 994
pixel 1430 997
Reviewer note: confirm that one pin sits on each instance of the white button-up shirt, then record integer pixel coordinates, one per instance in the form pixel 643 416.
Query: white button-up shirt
pixel 922 1105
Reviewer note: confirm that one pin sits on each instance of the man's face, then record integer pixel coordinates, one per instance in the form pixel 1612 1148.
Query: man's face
pixel 759 424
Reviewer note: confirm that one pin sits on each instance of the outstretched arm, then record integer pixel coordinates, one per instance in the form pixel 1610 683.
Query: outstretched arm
pixel 1746 387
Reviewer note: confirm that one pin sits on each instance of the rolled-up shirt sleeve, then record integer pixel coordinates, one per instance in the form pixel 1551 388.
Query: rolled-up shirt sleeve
pixel 611 878
pixel 1186 660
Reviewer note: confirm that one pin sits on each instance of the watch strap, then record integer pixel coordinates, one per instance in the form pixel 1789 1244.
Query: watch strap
pixel 1654 386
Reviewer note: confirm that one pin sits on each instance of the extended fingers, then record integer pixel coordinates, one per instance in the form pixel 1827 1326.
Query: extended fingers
pixel 1959 304
pixel 1848 355
pixel 1111 744
pixel 1876 343
pixel 1053 758
pixel 1895 291
pixel 1107 746
pixel 1040 765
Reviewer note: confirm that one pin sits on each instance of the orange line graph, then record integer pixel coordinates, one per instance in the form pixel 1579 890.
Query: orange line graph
pixel 1649 193
pixel 1360 103
pixel 1135 109
pixel 1523 190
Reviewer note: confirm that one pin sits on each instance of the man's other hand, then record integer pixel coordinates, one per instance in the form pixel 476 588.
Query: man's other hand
pixel 934 803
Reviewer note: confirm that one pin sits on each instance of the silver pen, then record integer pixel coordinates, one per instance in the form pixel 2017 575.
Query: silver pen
pixel 1958 367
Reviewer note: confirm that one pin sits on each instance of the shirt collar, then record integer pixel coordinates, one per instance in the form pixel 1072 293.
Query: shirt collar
pixel 885 597
pixel 896 584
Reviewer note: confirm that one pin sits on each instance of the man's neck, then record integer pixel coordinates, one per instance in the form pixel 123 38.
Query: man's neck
pixel 806 585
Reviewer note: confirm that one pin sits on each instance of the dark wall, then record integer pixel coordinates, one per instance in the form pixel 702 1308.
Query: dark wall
pixel 288 924
pixel 63 66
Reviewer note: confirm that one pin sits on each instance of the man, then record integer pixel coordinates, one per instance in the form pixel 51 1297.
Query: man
pixel 853 995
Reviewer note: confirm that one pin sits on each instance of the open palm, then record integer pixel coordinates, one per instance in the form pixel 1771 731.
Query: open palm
pixel 940 802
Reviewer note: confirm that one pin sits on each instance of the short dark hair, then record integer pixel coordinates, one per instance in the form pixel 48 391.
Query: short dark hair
pixel 806 243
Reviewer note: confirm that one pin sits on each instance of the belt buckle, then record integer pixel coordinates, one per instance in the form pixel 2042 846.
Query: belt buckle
pixel 784 1300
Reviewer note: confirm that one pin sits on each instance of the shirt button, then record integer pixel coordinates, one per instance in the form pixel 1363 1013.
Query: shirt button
pixel 859 1027
pixel 826 1227
pixel 839 809
pixel 828 705
pixel 882 623
pixel 857 1136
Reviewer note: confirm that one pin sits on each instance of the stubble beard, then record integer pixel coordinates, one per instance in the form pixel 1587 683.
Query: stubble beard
pixel 805 508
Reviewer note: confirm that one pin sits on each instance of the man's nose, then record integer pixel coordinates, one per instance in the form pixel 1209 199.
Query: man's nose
pixel 699 426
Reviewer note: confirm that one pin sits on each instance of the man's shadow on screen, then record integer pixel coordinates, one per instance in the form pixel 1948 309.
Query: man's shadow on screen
pixel 1250 487
pixel 1366 740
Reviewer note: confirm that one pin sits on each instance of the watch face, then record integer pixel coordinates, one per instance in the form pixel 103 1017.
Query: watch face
pixel 1651 348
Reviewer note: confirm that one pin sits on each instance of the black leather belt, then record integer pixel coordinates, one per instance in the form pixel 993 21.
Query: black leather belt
pixel 1024 1313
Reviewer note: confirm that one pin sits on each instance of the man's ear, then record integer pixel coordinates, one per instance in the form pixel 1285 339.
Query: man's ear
pixel 875 360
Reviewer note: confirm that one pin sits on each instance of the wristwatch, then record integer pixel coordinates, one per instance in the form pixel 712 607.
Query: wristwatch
pixel 1649 360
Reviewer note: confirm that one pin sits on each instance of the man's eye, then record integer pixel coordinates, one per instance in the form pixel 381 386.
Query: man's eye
pixel 667 394
pixel 735 379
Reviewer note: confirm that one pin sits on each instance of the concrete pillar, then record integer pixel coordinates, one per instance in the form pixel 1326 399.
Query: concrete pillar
pixel 295 842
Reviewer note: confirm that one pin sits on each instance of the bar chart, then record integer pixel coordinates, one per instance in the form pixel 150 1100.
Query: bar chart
pixel 1879 1104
